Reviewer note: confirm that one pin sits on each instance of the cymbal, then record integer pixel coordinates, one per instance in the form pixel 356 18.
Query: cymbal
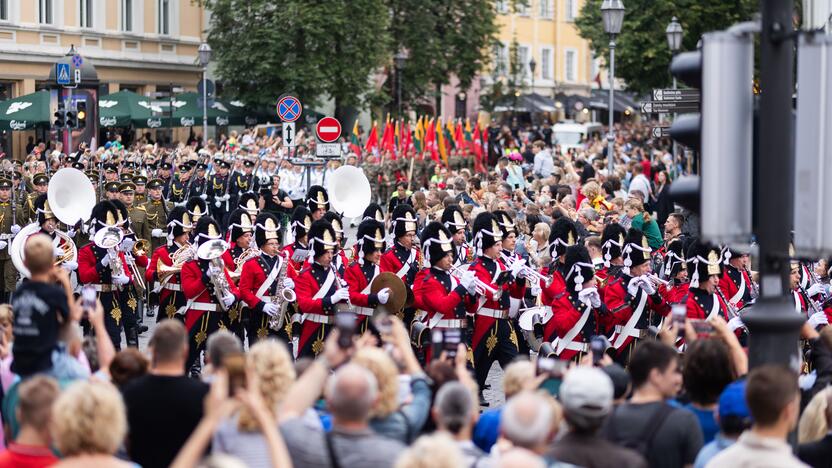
pixel 398 291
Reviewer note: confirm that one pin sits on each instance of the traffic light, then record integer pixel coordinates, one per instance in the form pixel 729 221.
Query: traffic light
pixel 60 115
pixel 722 132
pixel 71 117
pixel 81 108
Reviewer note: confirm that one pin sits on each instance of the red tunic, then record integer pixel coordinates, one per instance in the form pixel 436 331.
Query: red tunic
pixel 194 288
pixel 436 293
pixel 88 267
pixel 160 255
pixel 395 258
pixel 358 277
pixel 485 268
pixel 700 304
pixel 620 304
pixel 307 285
pixel 731 282
pixel 254 275
pixel 566 312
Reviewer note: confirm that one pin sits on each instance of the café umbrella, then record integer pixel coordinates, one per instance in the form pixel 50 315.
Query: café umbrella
pixel 26 112
pixel 126 108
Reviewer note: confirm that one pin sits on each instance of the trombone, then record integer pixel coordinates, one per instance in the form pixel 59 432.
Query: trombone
pixel 481 286
pixel 527 271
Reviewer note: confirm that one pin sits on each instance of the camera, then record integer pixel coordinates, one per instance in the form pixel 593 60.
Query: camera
pixel 553 369
pixel 598 346
pixel 446 341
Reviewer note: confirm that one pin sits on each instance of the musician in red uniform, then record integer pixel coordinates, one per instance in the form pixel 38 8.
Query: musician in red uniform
pixel 494 337
pixel 301 222
pixel 438 292
pixel 705 300
pixel 575 314
pixel 107 272
pixel 612 242
pixel 361 272
pixel 130 297
pixel 403 258
pixel 632 297
pixel 803 302
pixel 562 236
pixel 339 257
pixel 240 229
pixel 319 290
pixel 317 201
pixel 675 272
pixel 209 290
pixel 735 283
pixel 260 283
pixel 454 220
pixel 168 285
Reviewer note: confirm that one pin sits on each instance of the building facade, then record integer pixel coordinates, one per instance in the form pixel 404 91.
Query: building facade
pixel 146 46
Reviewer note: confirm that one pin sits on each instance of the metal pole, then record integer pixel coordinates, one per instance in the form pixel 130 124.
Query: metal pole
pixel 204 107
pixel 773 325
pixel 68 148
pixel 611 133
pixel 399 90
pixel 675 145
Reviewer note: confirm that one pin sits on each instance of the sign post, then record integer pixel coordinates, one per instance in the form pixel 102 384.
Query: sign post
pixel 328 130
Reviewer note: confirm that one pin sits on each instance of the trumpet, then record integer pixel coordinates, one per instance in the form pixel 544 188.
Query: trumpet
pixel 527 271
pixel 481 286
pixel 658 281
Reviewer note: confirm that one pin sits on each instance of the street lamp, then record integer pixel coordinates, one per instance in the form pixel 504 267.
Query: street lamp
pixel 532 67
pixel 204 58
pixel 400 59
pixel 612 13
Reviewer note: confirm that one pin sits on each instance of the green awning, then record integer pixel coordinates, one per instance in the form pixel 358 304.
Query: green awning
pixel 26 112
pixel 188 111
pixel 126 108
pixel 248 115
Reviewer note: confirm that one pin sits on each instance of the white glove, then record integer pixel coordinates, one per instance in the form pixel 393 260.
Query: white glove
pixel 121 279
pixel 127 244
pixel 271 309
pixel 288 283
pixel 225 197
pixel 633 286
pixel 180 204
pixel 228 300
pixel 536 290
pixel 817 319
pixel 590 297
pixel 383 296
pixel 204 196
pixel 69 265
pixel 735 323
pixel 468 281
pixel 647 285
pixel 70 232
pixel 341 295
pixel 3 244
pixel 157 233
pixel 517 267
pixel 217 203
pixel 15 229
pixel 815 289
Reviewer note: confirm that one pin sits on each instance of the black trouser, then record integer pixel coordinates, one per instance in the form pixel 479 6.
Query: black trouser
pixel 169 305
pixel 198 335
pixel 120 311
pixel 257 328
pixel 499 343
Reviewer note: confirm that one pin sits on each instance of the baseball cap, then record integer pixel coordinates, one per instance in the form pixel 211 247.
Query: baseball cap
pixel 587 391
pixel 732 401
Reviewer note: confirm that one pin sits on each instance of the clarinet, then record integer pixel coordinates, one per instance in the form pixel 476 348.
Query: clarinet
pixel 755 288
pixel 732 309
pixel 812 304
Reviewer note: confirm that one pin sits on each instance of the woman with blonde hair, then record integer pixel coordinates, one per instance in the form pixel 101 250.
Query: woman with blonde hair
pixel 240 435
pixel 642 221
pixel 437 450
pixel 592 192
pixel 89 422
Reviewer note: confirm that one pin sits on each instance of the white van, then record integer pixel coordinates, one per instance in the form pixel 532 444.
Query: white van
pixel 569 134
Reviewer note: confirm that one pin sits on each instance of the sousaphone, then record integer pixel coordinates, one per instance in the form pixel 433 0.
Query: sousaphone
pixel 349 191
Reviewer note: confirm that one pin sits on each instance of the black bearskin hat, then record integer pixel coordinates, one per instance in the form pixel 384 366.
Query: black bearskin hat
pixel 454 219
pixel 636 251
pixel 122 215
pixel 563 235
pixel 179 222
pixel 403 220
pixel 104 214
pixel 674 259
pixel 486 231
pixel 43 209
pixel 337 225
pixel 612 241
pixel 206 230
pixel 239 223
pixel 266 227
pixel 505 222
pixel 301 221
pixel 578 266
pixel 322 237
pixel 370 237
pixel 703 261
pixel 317 199
pixel 197 208
pixel 249 202
pixel 436 242
pixel 373 211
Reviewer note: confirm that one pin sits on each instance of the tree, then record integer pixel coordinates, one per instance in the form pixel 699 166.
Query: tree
pixel 642 58
pixel 264 49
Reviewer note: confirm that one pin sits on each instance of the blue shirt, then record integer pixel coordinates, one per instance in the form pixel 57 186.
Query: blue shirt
pixel 487 429
pixel 706 421
pixel 711 449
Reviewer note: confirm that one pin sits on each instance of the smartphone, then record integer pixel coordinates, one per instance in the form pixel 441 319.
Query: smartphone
pixel 437 340
pixel 598 346
pixel 88 299
pixel 702 327
pixel 235 366
pixel 345 324
pixel 553 369
pixel 679 313
pixel 450 342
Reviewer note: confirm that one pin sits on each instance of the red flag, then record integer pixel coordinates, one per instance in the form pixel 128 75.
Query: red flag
pixel 387 140
pixel 407 138
pixel 478 165
pixel 459 135
pixel 430 141
pixel 372 139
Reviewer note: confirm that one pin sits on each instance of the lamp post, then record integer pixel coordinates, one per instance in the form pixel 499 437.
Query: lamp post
pixel 204 58
pixel 532 68
pixel 612 13
pixel 400 58
pixel 674 43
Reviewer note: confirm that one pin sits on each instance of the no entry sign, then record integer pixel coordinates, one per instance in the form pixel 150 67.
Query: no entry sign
pixel 328 129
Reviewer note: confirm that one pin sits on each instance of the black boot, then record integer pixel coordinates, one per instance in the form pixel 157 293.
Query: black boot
pixel 132 337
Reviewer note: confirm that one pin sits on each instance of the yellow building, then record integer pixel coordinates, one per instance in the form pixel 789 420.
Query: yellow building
pixel 146 46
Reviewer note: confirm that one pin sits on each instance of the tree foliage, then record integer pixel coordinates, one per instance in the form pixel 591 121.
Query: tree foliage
pixel 642 57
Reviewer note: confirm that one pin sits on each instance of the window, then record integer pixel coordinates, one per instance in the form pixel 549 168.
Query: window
pixel 502 6
pixel 500 56
pixel 546 63
pixel 521 9
pixel 524 57
pixel 46 12
pixel 126 15
pixel 571 66
pixel 546 9
pixel 571 10
pixel 164 16
pixel 85 13
pixel 4 10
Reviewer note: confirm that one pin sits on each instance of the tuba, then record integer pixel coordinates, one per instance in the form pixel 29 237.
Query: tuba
pixel 212 251
pixel 69 252
pixel 349 191
pixel 109 238
pixel 247 255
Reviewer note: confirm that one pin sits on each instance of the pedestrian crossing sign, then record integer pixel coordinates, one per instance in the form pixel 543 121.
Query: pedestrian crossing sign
pixel 62 74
